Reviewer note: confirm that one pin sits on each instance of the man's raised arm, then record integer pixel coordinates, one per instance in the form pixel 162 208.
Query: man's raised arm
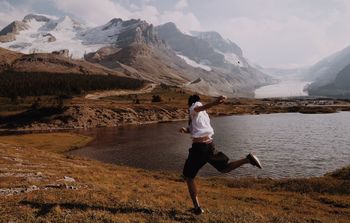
pixel 218 100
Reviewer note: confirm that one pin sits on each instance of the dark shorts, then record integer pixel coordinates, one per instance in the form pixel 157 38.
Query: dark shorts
pixel 199 155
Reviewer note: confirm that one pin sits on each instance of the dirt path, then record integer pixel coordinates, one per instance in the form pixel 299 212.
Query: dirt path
pixel 97 95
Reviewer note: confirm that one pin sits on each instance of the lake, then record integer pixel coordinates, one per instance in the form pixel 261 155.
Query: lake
pixel 288 145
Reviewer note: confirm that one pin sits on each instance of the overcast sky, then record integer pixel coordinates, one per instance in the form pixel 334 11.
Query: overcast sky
pixel 272 33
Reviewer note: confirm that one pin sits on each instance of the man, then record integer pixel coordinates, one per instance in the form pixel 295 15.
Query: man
pixel 203 150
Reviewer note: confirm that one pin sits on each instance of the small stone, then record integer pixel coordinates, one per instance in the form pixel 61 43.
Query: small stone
pixel 32 188
pixel 69 179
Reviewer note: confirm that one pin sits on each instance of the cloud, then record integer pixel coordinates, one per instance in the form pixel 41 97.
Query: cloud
pixel 289 37
pixel 275 42
pixel 185 21
pixel 9 13
pixel 99 12
pixel 93 12
pixel 181 4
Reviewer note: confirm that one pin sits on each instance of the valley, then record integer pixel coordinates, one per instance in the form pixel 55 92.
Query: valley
pixel 61 78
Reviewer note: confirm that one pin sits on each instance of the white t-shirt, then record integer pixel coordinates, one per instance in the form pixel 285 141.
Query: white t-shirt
pixel 200 122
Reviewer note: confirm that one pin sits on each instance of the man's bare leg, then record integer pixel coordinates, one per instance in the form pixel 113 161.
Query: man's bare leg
pixel 234 165
pixel 193 191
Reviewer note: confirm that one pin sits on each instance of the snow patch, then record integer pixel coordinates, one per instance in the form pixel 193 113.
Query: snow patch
pixel 66 31
pixel 105 34
pixel 233 59
pixel 194 63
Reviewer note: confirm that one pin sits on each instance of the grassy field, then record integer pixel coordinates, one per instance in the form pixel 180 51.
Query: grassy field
pixel 40 184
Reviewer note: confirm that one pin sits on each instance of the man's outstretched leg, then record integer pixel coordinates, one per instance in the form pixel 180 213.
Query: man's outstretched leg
pixel 193 193
pixel 235 164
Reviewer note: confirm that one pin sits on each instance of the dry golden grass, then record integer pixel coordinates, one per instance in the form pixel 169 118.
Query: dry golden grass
pixel 51 142
pixel 109 193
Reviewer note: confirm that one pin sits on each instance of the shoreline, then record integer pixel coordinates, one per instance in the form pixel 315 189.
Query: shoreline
pixel 48 113
pixel 62 129
pixel 16 131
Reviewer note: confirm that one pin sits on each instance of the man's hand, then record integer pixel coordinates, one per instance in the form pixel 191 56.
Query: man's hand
pixel 184 130
pixel 220 99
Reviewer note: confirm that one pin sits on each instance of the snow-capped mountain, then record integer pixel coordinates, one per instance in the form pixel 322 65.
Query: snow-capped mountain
pixel 41 33
pixel 210 52
pixel 203 62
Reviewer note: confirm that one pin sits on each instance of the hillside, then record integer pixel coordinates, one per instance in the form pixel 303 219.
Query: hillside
pixel 41 184
pixel 339 88
pixel 51 74
pixel 12 61
pixel 325 72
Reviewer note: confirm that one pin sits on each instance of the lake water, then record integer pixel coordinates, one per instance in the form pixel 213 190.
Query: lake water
pixel 285 88
pixel 288 145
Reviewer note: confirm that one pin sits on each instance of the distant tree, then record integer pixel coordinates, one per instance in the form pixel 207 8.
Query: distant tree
pixel 14 84
pixel 156 98
pixel 36 104
pixel 60 102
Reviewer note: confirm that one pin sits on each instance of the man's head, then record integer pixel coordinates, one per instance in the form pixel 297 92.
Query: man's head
pixel 193 99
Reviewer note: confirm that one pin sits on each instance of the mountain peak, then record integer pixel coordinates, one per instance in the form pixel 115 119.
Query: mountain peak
pixel 169 28
pixel 68 23
pixel 218 42
pixel 37 17
pixel 138 31
pixel 116 22
pixel 14 28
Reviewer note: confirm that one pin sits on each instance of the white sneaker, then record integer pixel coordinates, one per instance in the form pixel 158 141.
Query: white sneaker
pixel 254 160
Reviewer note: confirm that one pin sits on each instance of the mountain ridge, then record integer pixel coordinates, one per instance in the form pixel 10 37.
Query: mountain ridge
pixel 138 49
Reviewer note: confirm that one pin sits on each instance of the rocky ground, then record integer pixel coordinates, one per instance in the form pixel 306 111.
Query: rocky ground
pixel 38 183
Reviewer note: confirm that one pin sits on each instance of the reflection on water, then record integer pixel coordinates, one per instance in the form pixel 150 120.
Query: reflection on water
pixel 289 145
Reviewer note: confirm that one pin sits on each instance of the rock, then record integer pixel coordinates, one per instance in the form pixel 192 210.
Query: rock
pixel 14 28
pixel 70 187
pixel 49 37
pixel 39 18
pixel 20 46
pixel 68 179
pixel 32 188
pixel 7 38
pixel 64 53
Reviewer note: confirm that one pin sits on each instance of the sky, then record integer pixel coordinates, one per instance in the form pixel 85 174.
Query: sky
pixel 271 33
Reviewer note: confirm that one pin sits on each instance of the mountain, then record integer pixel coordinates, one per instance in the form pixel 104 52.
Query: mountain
pixel 202 62
pixel 327 73
pixel 217 42
pixel 232 52
pixel 339 88
pixel 8 33
pixel 42 33
pixel 211 52
pixel 326 70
